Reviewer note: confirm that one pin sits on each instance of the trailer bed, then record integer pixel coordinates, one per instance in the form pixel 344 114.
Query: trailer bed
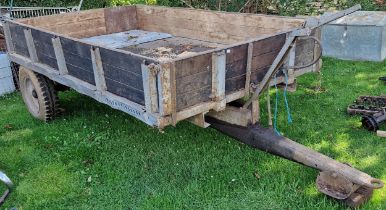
pixel 159 64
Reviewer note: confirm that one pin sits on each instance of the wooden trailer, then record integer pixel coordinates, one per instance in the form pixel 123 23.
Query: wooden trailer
pixel 163 65
pixel 158 64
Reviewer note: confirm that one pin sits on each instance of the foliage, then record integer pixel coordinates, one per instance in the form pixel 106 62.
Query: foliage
pixel 130 2
pixel 283 7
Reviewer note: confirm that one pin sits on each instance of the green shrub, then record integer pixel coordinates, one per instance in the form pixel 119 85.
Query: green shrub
pixel 283 7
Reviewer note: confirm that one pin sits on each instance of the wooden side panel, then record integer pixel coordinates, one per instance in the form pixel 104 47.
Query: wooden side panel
pixel 193 81
pixel 18 39
pixel 264 53
pixel 44 48
pixel 120 19
pixel 304 53
pixel 211 26
pixel 78 24
pixel 236 65
pixel 123 75
pixel 78 60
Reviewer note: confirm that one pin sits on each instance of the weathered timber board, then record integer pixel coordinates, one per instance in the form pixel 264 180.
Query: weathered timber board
pixel 126 38
pixel 212 26
pixel 44 49
pixel 195 97
pixel 236 83
pixel 264 53
pixel 120 19
pixel 78 24
pixel 170 48
pixel 236 65
pixel 18 39
pixel 189 88
pixel 125 91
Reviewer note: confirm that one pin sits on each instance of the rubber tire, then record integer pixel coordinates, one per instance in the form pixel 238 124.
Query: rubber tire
pixel 39 94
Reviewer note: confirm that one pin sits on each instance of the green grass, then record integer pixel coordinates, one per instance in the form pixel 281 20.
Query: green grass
pixel 95 157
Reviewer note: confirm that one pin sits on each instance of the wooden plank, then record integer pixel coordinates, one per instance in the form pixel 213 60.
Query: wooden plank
pixel 193 65
pixel 88 32
pixel 173 93
pixel 190 99
pixel 236 53
pixel 47 60
pixel 249 69
pixel 258 75
pixel 235 84
pixel 8 37
pixel 122 61
pixel 81 29
pixel 41 44
pixel 195 110
pixel 317 66
pixel 125 77
pixel 80 62
pixel 18 39
pixel 255 111
pixel 149 75
pixel 61 61
pixel 233 115
pixel 221 38
pixel 263 60
pixel 273 43
pixel 236 68
pixel 194 82
pixel 80 73
pixel 206 28
pixel 77 48
pixel 64 19
pixel 120 19
pixel 125 91
pixel 218 79
pixel 234 19
pixel 164 90
pixel 99 74
pixel 31 45
pixel 269 109
pixel 199 120
pixel 235 96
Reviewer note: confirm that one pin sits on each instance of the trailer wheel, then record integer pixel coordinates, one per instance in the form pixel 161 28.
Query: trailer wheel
pixel 39 94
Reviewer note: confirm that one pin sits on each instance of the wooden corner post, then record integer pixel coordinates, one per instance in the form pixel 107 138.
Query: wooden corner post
pixel 31 45
pixel 149 76
pixel 8 37
pixel 218 79
pixel 59 54
pixel 164 78
pixel 97 66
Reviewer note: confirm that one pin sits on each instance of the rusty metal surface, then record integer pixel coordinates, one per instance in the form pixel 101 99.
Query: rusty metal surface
pixel 334 185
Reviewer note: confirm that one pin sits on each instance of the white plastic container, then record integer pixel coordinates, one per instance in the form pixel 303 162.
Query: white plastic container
pixel 6 80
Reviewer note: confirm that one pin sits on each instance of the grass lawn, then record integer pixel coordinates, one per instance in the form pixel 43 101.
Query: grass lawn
pixel 95 157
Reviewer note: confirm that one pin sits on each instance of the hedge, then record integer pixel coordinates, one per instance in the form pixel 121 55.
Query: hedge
pixel 282 7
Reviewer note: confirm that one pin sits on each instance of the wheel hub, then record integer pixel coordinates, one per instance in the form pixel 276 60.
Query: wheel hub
pixel 34 94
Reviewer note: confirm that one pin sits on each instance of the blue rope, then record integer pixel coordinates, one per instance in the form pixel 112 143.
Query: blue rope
pixel 275 114
pixel 289 118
